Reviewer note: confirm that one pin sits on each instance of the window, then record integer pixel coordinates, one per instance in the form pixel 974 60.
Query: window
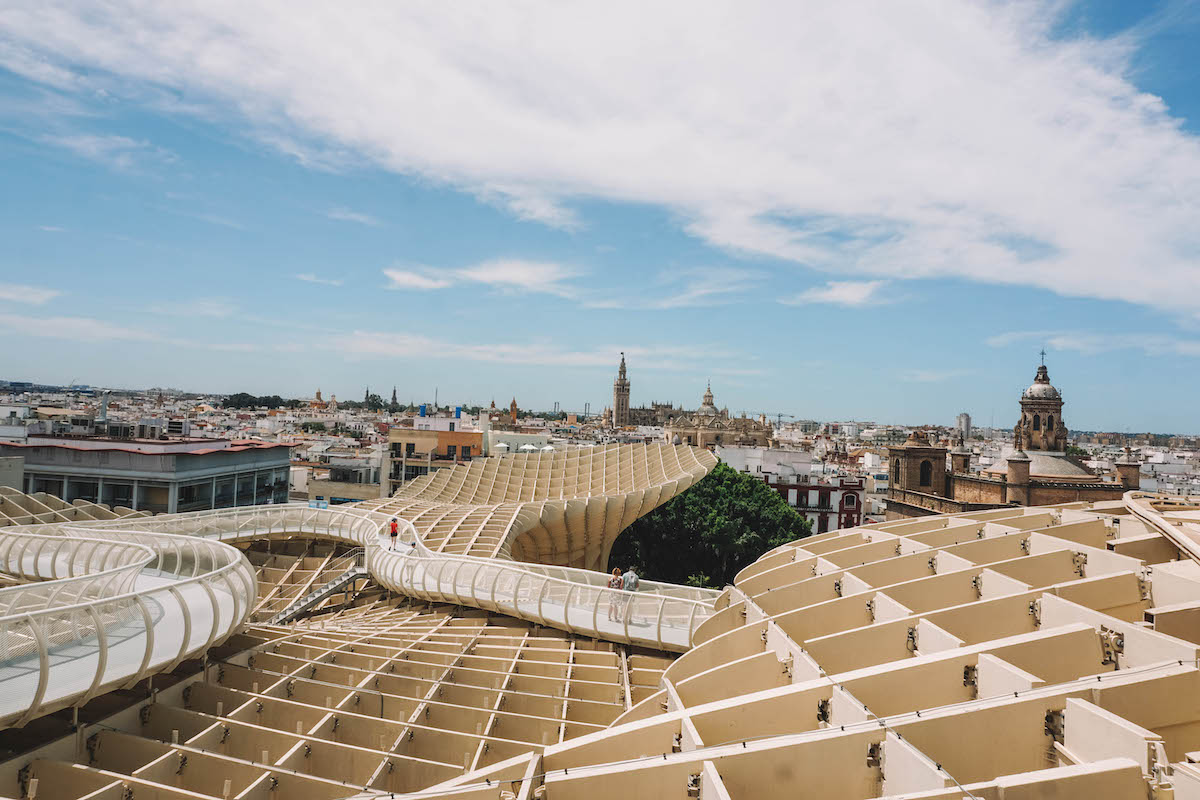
pixel 896 471
pixel 451 451
pixel 851 501
pixel 1037 422
pixel 451 426
pixel 1050 422
pixel 466 453
pixel 409 449
pixel 926 473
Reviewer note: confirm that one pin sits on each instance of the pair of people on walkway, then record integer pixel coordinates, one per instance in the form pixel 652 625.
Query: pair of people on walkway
pixel 619 605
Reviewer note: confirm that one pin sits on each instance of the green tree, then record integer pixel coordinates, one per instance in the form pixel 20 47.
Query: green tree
pixel 704 536
pixel 240 400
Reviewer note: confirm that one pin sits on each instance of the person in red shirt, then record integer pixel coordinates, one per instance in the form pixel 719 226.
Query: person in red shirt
pixel 395 529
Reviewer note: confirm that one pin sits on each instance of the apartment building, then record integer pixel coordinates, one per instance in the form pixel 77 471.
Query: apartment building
pixel 156 475
pixel 414 452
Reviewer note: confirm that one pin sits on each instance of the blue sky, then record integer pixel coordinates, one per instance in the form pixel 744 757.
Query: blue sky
pixel 855 211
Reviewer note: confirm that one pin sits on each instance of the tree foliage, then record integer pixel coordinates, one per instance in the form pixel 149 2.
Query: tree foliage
pixel 704 536
pixel 243 400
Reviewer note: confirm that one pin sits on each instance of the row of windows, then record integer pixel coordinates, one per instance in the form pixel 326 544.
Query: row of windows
pixel 1037 422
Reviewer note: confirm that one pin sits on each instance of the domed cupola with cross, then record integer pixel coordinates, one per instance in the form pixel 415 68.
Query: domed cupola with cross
pixel 707 407
pixel 1041 426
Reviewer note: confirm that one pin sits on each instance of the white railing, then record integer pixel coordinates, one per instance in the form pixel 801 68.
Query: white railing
pixel 660 615
pixel 108 608
pixel 114 601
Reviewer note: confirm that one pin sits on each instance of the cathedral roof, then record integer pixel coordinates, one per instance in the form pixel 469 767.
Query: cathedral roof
pixel 1051 464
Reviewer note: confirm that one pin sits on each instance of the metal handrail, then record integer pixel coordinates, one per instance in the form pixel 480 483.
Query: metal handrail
pixel 490 583
pixel 129 597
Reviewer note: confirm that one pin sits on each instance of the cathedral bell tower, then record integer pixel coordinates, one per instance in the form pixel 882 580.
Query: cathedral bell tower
pixel 1041 425
pixel 620 404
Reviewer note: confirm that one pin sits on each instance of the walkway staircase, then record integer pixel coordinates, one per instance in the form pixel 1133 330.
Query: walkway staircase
pixel 356 570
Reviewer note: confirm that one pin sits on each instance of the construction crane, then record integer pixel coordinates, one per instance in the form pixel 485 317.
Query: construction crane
pixel 777 415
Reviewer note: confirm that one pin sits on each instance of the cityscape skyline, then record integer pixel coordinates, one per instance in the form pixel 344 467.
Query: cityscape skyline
pixel 176 222
pixel 596 409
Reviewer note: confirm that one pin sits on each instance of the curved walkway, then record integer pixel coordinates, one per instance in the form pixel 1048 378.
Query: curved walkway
pixel 114 601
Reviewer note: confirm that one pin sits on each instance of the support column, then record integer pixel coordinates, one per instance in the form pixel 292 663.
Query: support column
pixel 135 495
pixel 212 499
pixel 172 497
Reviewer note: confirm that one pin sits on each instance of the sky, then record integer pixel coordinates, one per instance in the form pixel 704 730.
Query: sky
pixel 851 210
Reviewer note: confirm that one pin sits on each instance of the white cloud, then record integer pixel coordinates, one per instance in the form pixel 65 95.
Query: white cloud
pixel 840 293
pixel 199 307
pixel 504 274
pixel 76 328
pixel 1092 343
pixel 118 152
pixel 544 353
pixel 519 275
pixel 685 288
pixel 308 277
pixel 531 204
pixel 346 215
pixel 87 330
pixel 33 295
pixel 951 138
pixel 51 229
pixel 407 279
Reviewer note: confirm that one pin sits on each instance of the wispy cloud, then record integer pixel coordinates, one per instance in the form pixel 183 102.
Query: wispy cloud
pixel 684 288
pixel 1093 343
pixel 32 295
pixel 504 274
pixel 309 277
pixel 216 307
pixel 88 330
pixel 853 294
pixel 75 328
pixel 51 229
pixel 519 275
pixel 546 353
pixel 889 165
pixel 533 204
pixel 408 279
pixel 118 152
pixel 347 215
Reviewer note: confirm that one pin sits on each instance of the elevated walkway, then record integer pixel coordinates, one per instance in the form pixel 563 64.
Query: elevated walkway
pixel 115 601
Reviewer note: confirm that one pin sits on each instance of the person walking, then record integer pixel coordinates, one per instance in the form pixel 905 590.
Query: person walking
pixel 629 582
pixel 395 531
pixel 616 583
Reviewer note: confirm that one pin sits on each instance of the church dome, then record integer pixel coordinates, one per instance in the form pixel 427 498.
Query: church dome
pixel 707 407
pixel 1041 389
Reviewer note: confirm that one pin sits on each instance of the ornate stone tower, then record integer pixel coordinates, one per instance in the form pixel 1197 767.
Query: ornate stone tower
pixel 1041 426
pixel 620 406
pixel 1129 470
pixel 960 456
pixel 918 465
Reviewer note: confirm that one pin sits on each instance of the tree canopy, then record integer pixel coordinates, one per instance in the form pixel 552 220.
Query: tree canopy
pixel 243 400
pixel 707 534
